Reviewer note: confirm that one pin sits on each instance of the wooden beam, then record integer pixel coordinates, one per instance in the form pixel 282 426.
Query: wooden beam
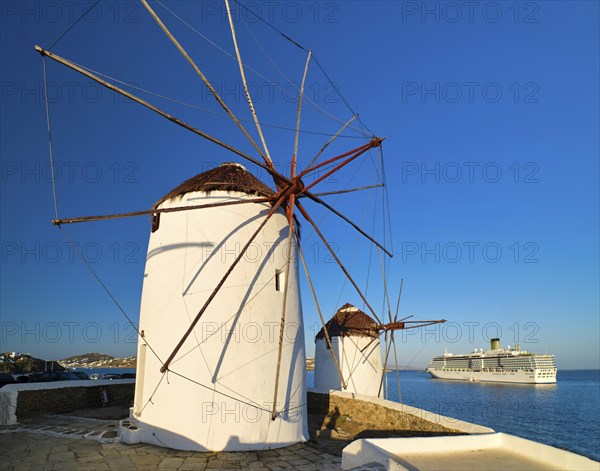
pixel 58 222
pixel 350 190
pixel 267 158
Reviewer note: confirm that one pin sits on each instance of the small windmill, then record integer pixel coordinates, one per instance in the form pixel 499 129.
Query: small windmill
pixel 348 351
pixel 197 390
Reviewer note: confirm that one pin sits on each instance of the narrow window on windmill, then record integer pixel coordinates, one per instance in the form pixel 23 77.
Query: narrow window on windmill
pixel 279 280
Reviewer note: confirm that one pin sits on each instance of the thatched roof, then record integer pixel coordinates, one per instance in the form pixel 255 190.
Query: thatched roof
pixel 350 320
pixel 229 176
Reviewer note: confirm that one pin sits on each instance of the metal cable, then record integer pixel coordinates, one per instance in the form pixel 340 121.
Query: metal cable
pixel 53 177
pixel 110 295
pixel 74 23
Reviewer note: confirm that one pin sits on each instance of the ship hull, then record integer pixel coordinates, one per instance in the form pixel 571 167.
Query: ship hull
pixel 529 377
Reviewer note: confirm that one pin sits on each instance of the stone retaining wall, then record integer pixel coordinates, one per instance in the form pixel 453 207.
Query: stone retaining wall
pixel 379 414
pixel 23 401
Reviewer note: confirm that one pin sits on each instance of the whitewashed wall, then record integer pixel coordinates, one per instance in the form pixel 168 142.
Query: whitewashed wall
pixel 233 349
pixel 361 369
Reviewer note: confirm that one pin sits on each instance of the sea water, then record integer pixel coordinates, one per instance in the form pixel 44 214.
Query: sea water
pixel 565 414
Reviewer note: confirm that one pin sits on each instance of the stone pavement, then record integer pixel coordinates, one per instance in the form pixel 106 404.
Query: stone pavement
pixel 75 443
pixel 31 451
pixel 104 431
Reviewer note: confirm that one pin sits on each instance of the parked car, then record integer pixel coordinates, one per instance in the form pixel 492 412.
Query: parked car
pixel 111 376
pixel 57 376
pixel 7 378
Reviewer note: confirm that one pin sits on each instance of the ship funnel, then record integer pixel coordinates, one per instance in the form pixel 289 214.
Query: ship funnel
pixel 495 344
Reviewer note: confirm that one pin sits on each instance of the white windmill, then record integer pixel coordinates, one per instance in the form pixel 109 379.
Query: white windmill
pixel 355 340
pixel 199 386
pixel 232 348
pixel 348 352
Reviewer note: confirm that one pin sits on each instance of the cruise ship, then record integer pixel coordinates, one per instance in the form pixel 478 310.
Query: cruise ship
pixel 495 365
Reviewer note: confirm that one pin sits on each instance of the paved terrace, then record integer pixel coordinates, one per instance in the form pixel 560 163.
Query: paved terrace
pixel 70 443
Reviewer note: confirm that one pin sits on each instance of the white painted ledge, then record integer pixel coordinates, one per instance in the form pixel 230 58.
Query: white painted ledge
pixel 441 453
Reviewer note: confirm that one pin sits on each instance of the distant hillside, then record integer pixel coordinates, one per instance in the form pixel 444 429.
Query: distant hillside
pixel 88 358
pixel 24 363
pixel 98 360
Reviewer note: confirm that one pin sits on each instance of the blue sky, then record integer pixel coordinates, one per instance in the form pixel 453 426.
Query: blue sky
pixel 490 115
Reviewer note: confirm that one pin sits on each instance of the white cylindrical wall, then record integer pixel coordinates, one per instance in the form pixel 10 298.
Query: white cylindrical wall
pixel 360 362
pixel 231 356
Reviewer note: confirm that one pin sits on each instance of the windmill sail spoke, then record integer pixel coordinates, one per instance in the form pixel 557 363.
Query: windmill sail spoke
pixel 353 155
pixel 300 96
pixel 387 302
pixel 385 287
pixel 405 325
pixel 394 339
pixel 355 226
pixel 58 222
pixel 331 140
pixel 338 261
pixel 366 146
pixel 398 302
pixel 339 166
pixel 205 80
pixel 396 366
pixel 350 190
pixel 220 284
pixel 387 354
pixel 268 159
pixel 325 329
pixel 171 118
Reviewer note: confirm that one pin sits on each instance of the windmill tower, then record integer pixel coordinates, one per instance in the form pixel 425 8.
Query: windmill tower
pixel 233 347
pixel 355 340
